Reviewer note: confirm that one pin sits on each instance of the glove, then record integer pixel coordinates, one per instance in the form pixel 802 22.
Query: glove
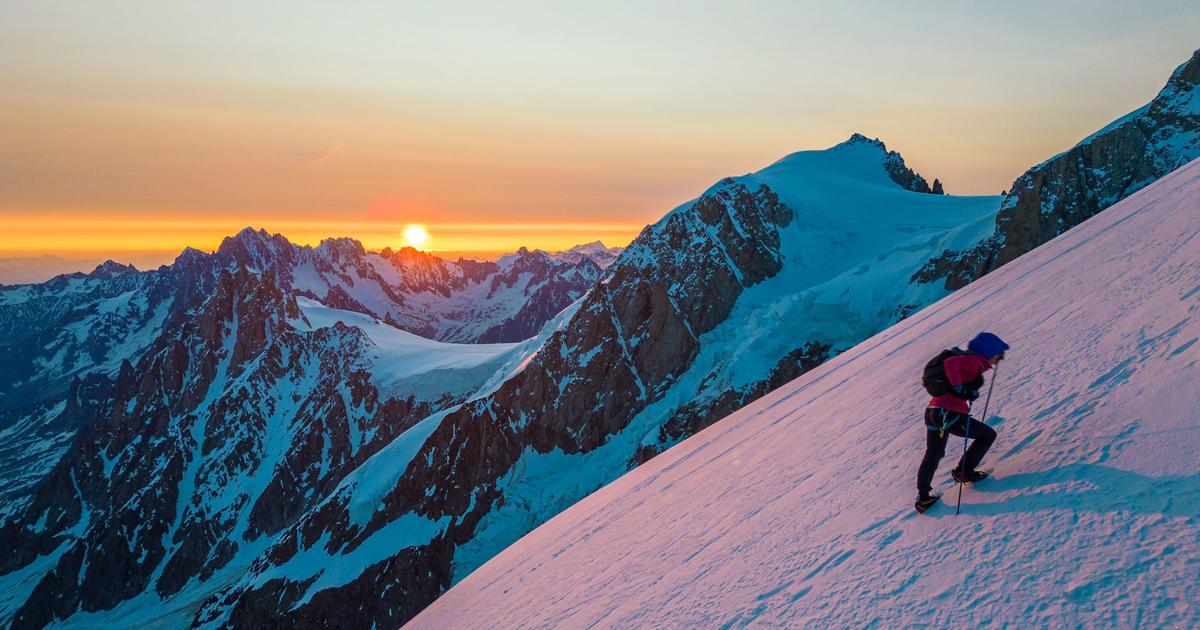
pixel 966 392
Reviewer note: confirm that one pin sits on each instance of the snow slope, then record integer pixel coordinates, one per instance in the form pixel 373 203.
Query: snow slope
pixel 796 511
pixel 854 242
pixel 401 358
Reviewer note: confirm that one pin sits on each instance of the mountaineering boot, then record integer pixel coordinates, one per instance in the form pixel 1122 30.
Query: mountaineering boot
pixel 924 503
pixel 971 477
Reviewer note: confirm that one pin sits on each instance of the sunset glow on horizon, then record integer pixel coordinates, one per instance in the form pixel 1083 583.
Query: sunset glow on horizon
pixel 540 125
pixel 82 234
pixel 415 236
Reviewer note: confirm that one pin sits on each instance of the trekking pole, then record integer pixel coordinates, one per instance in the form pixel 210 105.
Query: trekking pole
pixel 967 436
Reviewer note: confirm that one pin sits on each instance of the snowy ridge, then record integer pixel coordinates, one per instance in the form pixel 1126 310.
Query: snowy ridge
pixel 458 301
pixel 65 339
pixel 842 199
pixel 292 453
pixel 1107 166
pixel 796 511
pixel 816 304
pixel 400 360
pixel 248 411
pixel 712 279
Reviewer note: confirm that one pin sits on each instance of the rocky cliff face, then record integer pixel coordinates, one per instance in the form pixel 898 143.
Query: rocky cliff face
pixel 1071 187
pixel 223 432
pixel 61 345
pixel 161 427
pixel 460 301
pixel 83 326
pixel 285 479
pixel 893 163
pixel 635 332
pixel 634 367
pixel 219 437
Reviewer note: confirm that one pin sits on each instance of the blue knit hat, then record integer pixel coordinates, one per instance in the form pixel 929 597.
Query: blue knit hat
pixel 987 344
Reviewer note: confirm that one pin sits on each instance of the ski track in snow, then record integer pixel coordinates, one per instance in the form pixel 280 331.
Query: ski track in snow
pixel 796 511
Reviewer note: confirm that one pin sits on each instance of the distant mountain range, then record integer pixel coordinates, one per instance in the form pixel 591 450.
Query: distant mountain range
pixel 64 338
pixel 273 434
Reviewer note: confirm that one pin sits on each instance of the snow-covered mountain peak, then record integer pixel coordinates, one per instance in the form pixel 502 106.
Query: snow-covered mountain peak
pixel 860 139
pixel 110 268
pixel 406 257
pixel 523 256
pixel 342 249
pixel 256 249
pixel 796 511
pixel 190 255
pixel 588 248
pixel 596 251
pixel 859 159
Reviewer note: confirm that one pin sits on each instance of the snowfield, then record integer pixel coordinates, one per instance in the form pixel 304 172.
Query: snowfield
pixel 796 511
pixel 401 357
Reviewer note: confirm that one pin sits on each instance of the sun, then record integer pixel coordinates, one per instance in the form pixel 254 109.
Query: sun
pixel 415 235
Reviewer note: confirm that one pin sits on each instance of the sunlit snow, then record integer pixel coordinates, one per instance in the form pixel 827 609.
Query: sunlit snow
pixel 796 511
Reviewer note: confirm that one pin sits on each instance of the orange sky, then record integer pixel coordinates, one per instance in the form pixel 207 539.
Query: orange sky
pixel 123 134
pixel 92 235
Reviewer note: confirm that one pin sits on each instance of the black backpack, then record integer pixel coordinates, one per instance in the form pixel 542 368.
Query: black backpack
pixel 934 376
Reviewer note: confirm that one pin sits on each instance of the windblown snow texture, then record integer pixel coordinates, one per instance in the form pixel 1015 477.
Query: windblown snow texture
pixel 796 511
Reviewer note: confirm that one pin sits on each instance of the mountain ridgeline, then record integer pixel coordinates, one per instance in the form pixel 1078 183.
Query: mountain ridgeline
pixel 795 511
pixel 273 434
pixel 182 414
pixel 486 472
pixel 1122 158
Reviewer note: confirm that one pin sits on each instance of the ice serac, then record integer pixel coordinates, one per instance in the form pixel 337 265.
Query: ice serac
pixel 796 511
pixel 758 279
pixel 1106 167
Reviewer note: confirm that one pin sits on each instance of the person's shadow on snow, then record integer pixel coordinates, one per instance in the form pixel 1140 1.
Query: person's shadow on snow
pixel 1095 488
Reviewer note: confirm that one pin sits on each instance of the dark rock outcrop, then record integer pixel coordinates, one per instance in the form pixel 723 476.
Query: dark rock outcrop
pixel 893 164
pixel 225 431
pixel 1071 187
pixel 636 331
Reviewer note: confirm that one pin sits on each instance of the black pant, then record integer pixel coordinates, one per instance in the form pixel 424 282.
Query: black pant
pixel 935 443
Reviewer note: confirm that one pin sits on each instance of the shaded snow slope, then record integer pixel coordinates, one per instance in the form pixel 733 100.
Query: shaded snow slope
pixel 400 359
pixel 797 510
